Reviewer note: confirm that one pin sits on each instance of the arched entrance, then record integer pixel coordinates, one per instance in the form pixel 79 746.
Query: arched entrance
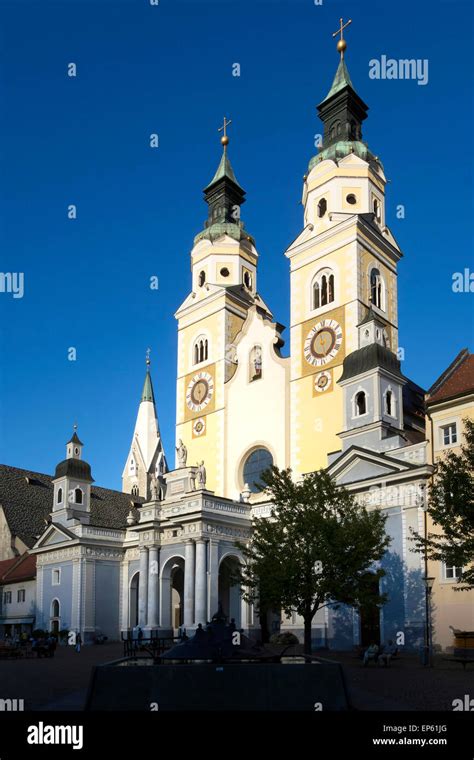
pixel 55 617
pixel 172 593
pixel 133 600
pixel 228 590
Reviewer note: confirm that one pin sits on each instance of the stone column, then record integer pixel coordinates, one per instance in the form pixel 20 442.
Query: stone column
pixel 201 583
pixel 213 601
pixel 153 579
pixel 143 588
pixel 188 618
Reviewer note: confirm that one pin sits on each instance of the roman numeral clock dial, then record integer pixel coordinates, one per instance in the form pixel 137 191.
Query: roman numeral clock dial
pixel 199 391
pixel 323 342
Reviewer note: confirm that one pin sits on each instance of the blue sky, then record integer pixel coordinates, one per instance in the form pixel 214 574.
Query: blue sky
pixel 168 70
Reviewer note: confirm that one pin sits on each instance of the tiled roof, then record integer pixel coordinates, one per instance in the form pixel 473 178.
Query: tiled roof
pixel 5 565
pixel 22 569
pixel 457 380
pixel 27 500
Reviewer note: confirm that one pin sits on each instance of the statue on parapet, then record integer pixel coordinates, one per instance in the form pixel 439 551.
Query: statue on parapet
pixel 182 453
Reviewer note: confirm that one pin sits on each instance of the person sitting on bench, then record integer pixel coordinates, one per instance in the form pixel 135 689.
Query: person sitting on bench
pixel 371 653
pixel 388 651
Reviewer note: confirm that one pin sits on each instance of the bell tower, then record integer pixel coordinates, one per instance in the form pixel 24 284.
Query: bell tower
pixel 224 289
pixel 344 260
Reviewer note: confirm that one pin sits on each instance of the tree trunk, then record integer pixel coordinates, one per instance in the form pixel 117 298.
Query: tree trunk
pixel 308 619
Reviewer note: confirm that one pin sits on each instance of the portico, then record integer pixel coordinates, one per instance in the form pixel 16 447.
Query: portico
pixel 186 554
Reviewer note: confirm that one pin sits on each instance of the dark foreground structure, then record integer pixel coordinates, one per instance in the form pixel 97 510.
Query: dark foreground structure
pixel 219 669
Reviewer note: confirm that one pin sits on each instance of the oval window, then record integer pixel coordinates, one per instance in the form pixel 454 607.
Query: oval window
pixel 351 199
pixel 255 464
pixel 225 272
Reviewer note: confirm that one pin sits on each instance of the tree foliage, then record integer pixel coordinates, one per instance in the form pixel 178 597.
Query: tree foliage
pixel 318 547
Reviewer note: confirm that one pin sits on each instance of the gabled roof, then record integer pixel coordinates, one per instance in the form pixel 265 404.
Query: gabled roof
pixel 456 380
pixel 381 464
pixel 27 500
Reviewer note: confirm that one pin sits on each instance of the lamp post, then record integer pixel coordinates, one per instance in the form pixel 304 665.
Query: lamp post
pixel 429 581
pixel 428 588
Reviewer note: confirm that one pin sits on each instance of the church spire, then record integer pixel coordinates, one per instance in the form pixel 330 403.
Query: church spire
pixel 224 197
pixel 146 459
pixel 342 112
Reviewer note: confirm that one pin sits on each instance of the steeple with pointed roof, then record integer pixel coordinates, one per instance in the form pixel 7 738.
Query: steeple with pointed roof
pixel 342 112
pixel 224 197
pixel 146 459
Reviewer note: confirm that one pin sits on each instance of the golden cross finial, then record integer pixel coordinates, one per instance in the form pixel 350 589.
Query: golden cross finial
pixel 224 138
pixel 342 44
pixel 148 361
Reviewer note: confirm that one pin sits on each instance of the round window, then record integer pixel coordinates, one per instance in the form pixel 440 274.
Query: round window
pixel 351 199
pixel 255 464
pixel 225 272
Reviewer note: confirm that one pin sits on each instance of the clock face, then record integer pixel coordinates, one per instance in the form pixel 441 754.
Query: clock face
pixel 323 342
pixel 199 391
pixel 199 427
pixel 322 381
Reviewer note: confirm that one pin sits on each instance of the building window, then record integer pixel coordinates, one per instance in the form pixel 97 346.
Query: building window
pixel 78 496
pixel 351 198
pixel 255 464
pixel 200 350
pixel 55 608
pixel 322 207
pixel 135 490
pixel 377 209
pixel 255 363
pixel 7 597
pixel 60 495
pixel 389 403
pixel 322 289
pixel 225 272
pixel 360 404
pixel 56 581
pixel 376 289
pixel 20 595
pixel 248 280
pixel 201 278
pixel 451 572
pixel 449 434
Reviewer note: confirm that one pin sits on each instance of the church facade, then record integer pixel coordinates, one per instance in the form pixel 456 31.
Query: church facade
pixel 160 554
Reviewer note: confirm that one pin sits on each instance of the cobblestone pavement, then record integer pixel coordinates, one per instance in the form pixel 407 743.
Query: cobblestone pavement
pixel 61 682
pixel 405 685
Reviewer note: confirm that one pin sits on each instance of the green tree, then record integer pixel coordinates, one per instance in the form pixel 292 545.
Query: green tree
pixel 317 547
pixel 451 507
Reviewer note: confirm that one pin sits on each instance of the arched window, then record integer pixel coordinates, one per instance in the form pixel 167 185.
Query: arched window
pixel 322 291
pixel 55 608
pixel 78 496
pixel 360 404
pixel 60 495
pixel 135 490
pixel 322 207
pixel 201 350
pixel 255 363
pixel 248 280
pixel 255 464
pixel 201 278
pixel 376 288
pixel 376 208
pixel 389 403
